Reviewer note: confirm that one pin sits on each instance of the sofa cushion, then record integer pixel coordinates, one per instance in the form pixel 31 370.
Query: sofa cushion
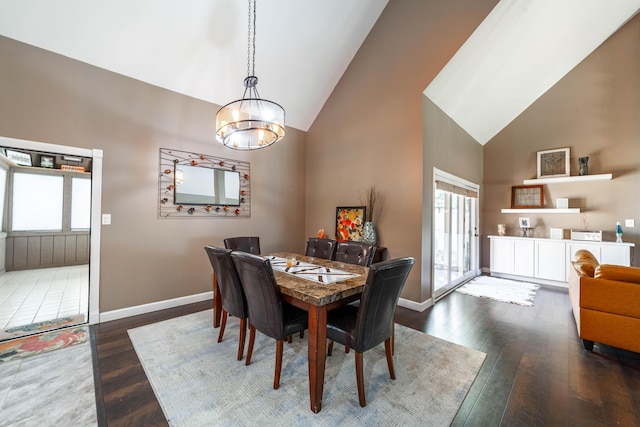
pixel 585 266
pixel 618 272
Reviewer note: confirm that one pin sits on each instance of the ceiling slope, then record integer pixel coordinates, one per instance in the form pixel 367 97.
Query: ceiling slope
pixel 199 47
pixel 519 51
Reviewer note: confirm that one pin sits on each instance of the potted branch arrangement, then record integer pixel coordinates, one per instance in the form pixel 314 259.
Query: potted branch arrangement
pixel 370 199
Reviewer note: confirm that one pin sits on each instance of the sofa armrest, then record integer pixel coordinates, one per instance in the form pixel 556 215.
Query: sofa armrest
pixel 610 296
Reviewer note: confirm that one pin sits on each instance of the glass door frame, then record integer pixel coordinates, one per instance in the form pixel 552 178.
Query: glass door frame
pixel 462 186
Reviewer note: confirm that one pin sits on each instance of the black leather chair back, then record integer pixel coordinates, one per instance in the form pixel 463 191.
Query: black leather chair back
pixel 321 248
pixel 244 244
pixel 263 297
pixel 355 253
pixel 233 299
pixel 378 303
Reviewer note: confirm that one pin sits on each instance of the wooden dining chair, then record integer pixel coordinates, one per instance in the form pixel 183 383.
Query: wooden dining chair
pixel 267 312
pixel 321 248
pixel 358 253
pixel 371 323
pixel 245 244
pixel 231 293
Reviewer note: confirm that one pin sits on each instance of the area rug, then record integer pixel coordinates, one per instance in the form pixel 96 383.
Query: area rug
pixel 199 381
pixel 41 343
pixel 33 328
pixel 504 290
pixel 49 389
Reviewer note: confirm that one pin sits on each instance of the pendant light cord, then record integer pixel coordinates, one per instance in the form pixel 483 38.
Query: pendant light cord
pixel 251 41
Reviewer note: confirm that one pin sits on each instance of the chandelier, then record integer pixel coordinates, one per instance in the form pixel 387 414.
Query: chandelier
pixel 250 123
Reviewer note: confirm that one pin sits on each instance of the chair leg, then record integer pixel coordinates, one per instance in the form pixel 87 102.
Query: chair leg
pixel 360 378
pixel 276 375
pixel 252 338
pixel 330 348
pixel 388 344
pixel 393 339
pixel 301 334
pixel 223 324
pixel 346 349
pixel 243 335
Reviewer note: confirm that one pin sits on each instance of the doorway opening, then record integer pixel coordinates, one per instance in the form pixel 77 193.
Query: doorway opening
pixel 50 237
pixel 455 232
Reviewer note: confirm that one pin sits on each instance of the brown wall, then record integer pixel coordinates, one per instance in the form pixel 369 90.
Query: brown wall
pixel 369 131
pixel 449 148
pixel 594 111
pixel 51 98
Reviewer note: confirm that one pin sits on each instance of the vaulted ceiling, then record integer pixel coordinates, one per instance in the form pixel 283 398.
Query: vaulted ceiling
pixel 199 48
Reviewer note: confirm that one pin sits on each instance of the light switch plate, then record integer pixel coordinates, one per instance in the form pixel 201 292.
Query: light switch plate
pixel 629 223
pixel 106 219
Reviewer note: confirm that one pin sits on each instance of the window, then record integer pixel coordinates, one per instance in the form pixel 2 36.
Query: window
pixel 3 185
pixel 80 203
pixel 37 202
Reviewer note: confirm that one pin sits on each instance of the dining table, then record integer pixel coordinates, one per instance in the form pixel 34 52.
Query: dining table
pixel 317 286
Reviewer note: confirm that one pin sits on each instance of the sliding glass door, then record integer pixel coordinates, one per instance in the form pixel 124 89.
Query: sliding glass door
pixel 455 236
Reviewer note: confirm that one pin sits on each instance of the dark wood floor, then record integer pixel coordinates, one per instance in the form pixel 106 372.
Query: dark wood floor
pixel 535 374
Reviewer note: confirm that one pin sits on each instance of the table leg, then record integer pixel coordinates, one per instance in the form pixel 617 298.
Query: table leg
pixel 217 302
pixel 317 354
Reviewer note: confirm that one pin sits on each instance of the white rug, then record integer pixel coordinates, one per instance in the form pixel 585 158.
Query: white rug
pixel 504 290
pixel 199 381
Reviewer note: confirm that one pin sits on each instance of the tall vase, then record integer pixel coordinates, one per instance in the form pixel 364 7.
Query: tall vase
pixel 369 233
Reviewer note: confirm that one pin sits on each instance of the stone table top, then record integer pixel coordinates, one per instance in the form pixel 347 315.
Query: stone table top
pixel 317 293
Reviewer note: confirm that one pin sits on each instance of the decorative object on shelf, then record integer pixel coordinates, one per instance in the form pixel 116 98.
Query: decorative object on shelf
pixel 562 203
pixel 370 200
pixel 321 234
pixel 584 166
pixel 251 122
pixel 47 161
pixel 525 227
pixel 502 229
pixel 552 163
pixel 618 232
pixel 349 222
pixel 527 196
pixel 72 168
pixel 556 233
pixel 18 157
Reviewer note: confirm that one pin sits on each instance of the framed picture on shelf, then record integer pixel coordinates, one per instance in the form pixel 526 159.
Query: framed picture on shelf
pixel 47 161
pixel 19 158
pixel 524 222
pixel 553 163
pixel 527 196
pixel 349 222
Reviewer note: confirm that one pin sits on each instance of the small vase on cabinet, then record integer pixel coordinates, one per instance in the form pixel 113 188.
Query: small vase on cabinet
pixel 369 233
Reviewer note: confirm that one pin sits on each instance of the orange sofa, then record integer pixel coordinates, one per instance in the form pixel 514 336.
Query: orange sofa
pixel 606 302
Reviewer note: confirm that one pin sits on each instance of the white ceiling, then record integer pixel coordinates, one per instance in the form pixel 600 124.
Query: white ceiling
pixel 199 48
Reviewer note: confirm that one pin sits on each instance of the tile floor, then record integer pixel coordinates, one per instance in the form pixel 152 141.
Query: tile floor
pixel 32 296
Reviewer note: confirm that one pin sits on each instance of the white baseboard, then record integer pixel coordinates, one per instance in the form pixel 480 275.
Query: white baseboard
pixel 153 306
pixel 415 306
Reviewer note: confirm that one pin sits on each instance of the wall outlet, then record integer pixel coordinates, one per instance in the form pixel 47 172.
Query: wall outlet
pixel 629 223
pixel 106 219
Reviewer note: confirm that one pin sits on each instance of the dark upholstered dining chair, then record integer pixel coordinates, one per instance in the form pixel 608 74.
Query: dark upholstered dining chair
pixel 321 248
pixel 243 244
pixel 267 312
pixel 371 323
pixel 358 253
pixel 231 293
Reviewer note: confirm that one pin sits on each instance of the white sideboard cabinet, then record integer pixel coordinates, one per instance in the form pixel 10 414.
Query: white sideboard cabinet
pixel 547 260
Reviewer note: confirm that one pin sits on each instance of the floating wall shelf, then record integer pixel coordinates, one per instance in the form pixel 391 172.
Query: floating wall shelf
pixel 542 210
pixel 564 179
